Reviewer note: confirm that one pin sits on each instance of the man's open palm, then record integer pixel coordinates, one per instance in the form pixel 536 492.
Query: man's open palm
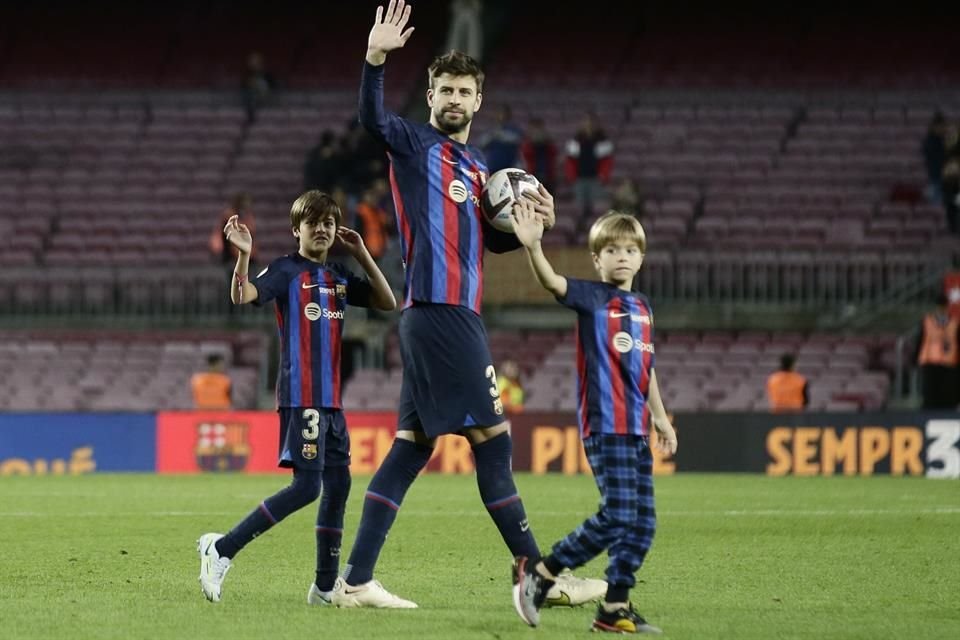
pixel 388 32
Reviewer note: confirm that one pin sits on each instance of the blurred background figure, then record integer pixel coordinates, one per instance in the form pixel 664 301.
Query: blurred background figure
pixel 373 222
pixel 322 167
pixel 950 194
pixel 627 198
pixel 787 389
pixel 539 153
pixel 502 145
pixel 938 357
pixel 212 388
pixel 465 32
pixel 223 252
pixel 588 164
pixel 511 389
pixel 258 85
pixel 935 155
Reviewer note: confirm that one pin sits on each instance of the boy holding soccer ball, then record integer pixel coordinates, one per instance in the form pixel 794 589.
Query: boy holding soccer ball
pixel 619 398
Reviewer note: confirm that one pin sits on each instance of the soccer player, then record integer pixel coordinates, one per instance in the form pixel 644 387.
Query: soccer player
pixel 618 396
pixel 310 295
pixel 449 382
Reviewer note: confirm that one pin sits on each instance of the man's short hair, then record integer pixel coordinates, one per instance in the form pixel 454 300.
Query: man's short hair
pixel 786 361
pixel 456 63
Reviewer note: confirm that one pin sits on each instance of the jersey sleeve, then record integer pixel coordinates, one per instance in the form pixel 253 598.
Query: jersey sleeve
pixel 397 134
pixel 359 289
pixel 582 295
pixel 271 283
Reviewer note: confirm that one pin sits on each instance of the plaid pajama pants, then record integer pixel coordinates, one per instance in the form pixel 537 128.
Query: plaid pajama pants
pixel 624 526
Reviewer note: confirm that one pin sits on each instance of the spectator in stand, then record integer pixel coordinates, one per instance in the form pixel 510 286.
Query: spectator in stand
pixel 937 356
pixel 627 198
pixel 787 390
pixel 373 222
pixel 935 154
pixel 539 153
pixel 322 167
pixel 223 252
pixel 212 388
pixel 588 163
pixel 511 389
pixel 258 84
pixel 502 145
pixel 950 192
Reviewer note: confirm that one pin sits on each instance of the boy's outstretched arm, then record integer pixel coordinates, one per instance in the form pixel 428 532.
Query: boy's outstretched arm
pixel 528 226
pixel 241 291
pixel 667 441
pixel 382 295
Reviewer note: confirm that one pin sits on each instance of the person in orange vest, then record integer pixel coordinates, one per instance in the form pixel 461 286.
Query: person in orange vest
pixel 373 223
pixel 511 391
pixel 211 388
pixel 787 389
pixel 938 357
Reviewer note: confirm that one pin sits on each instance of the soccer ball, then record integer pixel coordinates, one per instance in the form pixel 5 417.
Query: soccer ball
pixel 500 192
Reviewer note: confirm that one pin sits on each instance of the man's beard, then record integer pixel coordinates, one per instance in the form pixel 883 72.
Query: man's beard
pixel 452 127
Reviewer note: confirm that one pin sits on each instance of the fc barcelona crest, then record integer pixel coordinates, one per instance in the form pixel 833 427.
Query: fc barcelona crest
pixel 309 451
pixel 341 290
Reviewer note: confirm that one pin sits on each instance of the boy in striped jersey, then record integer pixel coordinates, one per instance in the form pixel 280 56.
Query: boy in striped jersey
pixel 618 398
pixel 310 296
pixel 449 382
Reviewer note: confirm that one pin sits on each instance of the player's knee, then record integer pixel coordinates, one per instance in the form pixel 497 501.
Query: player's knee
pixel 306 487
pixel 336 484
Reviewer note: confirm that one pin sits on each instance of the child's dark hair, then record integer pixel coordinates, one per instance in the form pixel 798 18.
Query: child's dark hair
pixel 314 206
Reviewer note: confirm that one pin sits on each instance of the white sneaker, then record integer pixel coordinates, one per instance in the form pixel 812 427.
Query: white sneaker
pixel 322 598
pixel 213 568
pixel 571 591
pixel 369 594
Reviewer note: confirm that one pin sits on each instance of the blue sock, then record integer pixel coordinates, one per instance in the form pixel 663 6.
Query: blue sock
pixel 303 490
pixel 329 530
pixel 500 497
pixel 384 495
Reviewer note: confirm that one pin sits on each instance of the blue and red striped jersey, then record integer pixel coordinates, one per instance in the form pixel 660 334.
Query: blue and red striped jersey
pixel 436 184
pixel 615 357
pixel 310 299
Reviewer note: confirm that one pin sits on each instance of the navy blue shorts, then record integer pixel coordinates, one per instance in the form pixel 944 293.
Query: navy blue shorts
pixel 448 377
pixel 313 438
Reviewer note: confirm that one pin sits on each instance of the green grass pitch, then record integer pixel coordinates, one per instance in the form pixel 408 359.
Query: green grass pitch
pixel 736 556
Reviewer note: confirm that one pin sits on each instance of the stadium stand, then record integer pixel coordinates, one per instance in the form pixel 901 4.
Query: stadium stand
pixel 122 371
pixel 788 177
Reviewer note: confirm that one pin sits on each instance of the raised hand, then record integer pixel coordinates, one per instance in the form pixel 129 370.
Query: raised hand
pixel 527 224
pixel 351 241
pixel 238 234
pixel 388 31
pixel 543 205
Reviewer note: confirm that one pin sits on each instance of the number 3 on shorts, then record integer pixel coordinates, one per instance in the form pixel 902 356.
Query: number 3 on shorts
pixel 491 375
pixel 312 430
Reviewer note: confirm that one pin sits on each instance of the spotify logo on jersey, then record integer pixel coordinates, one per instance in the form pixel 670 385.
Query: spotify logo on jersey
pixel 313 311
pixel 457 191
